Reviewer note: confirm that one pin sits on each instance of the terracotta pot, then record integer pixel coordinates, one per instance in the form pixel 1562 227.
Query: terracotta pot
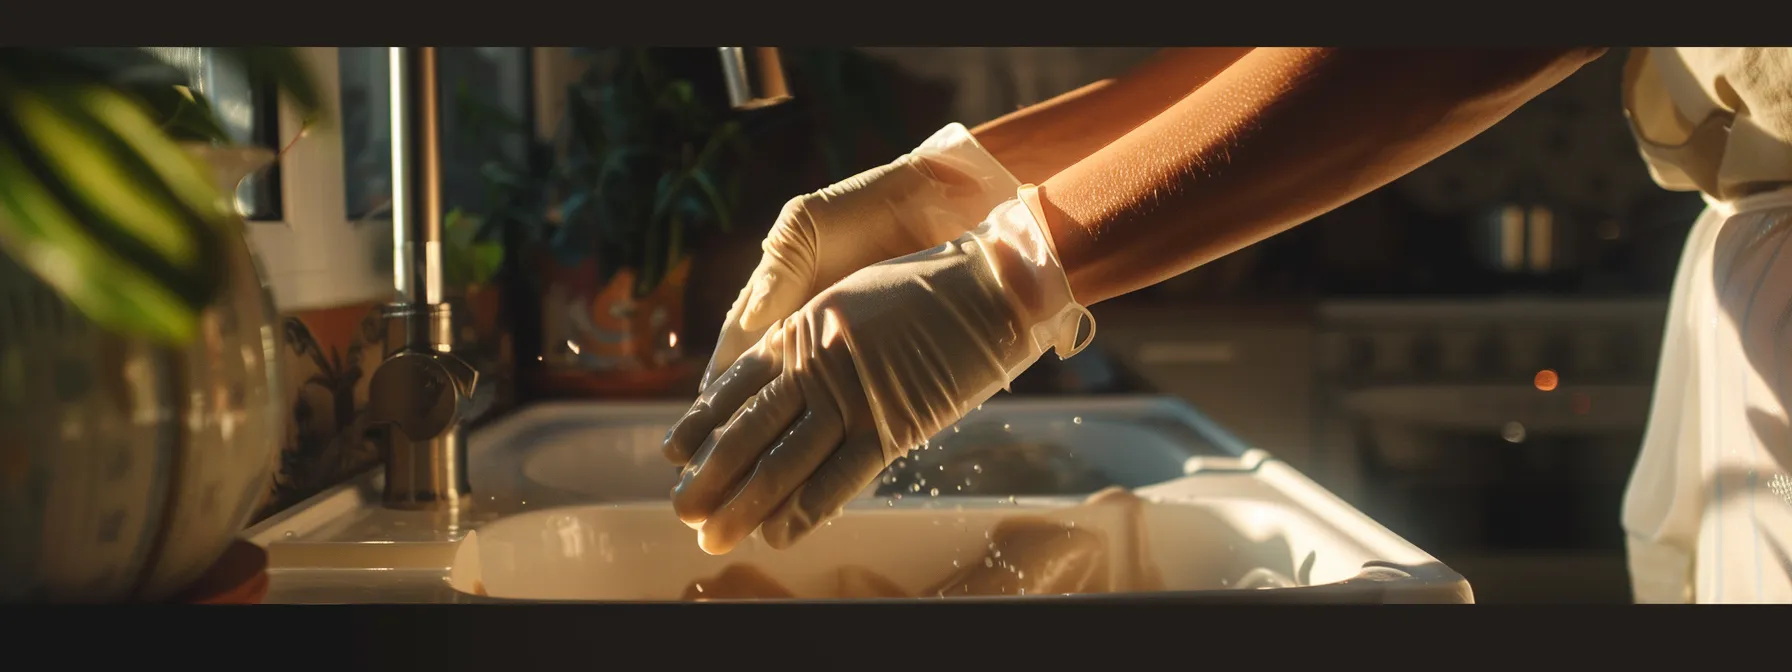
pixel 604 339
pixel 482 302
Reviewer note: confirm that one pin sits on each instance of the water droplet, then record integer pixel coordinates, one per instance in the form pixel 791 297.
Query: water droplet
pixel 698 586
pixel 1011 499
pixel 955 429
pixel 1006 427
pixel 935 492
pixel 1020 575
pixel 978 468
pixel 890 502
pixel 954 563
pixel 1076 420
pixel 914 487
pixel 988 562
pixel 291 534
pixel 942 467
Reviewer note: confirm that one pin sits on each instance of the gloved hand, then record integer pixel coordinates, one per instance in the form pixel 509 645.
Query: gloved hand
pixel 924 198
pixel 866 370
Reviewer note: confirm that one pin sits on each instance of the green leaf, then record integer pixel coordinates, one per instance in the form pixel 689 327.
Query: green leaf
pixel 663 193
pixel 570 208
pixel 96 197
pixel 187 115
pixel 47 239
pixel 459 228
pixel 717 201
pixel 681 93
pixel 487 259
pixel 114 170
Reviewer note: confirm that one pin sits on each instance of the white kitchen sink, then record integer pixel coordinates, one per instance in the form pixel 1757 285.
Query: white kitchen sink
pixel 593 472
pixel 1264 535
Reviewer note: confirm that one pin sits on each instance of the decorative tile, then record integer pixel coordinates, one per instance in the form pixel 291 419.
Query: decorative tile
pixel 328 356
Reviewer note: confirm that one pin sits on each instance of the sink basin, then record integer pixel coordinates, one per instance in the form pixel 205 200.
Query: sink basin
pixel 1269 535
pixel 570 502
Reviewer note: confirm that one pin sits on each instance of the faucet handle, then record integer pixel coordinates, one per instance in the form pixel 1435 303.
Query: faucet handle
pixel 422 393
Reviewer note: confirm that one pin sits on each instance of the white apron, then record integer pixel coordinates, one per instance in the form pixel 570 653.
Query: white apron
pixel 1708 513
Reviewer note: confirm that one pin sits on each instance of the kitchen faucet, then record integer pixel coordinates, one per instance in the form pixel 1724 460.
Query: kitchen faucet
pixel 422 394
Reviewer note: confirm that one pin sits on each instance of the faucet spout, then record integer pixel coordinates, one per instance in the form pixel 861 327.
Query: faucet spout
pixel 755 77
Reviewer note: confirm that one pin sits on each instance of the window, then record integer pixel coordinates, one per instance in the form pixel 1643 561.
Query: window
pixel 321 215
pixel 249 112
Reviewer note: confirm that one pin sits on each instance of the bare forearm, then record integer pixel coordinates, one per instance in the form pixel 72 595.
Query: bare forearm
pixel 1036 142
pixel 1280 137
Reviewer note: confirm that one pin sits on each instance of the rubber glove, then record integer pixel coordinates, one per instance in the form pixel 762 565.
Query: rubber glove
pixel 924 198
pixel 868 369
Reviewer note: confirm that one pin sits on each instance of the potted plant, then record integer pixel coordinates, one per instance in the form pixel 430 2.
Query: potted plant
pixel 597 224
pixel 641 167
pixel 146 348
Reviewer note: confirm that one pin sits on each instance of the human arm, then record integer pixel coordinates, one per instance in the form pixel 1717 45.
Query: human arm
pixel 898 351
pixel 942 189
pixel 1282 136
pixel 1037 141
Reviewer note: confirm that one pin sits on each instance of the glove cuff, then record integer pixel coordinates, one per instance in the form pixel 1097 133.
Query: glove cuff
pixel 1055 319
pixel 955 146
pixel 1070 322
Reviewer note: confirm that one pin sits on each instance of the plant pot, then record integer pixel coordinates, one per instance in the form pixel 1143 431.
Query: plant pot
pixel 126 468
pixel 603 340
pixel 484 340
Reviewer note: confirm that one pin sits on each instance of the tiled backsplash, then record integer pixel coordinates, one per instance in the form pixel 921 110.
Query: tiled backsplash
pixel 329 354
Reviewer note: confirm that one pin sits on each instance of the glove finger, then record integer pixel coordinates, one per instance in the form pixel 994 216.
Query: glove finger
pixel 843 476
pixel 732 341
pixel 773 292
pixel 730 452
pixel 722 398
pixel 796 455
